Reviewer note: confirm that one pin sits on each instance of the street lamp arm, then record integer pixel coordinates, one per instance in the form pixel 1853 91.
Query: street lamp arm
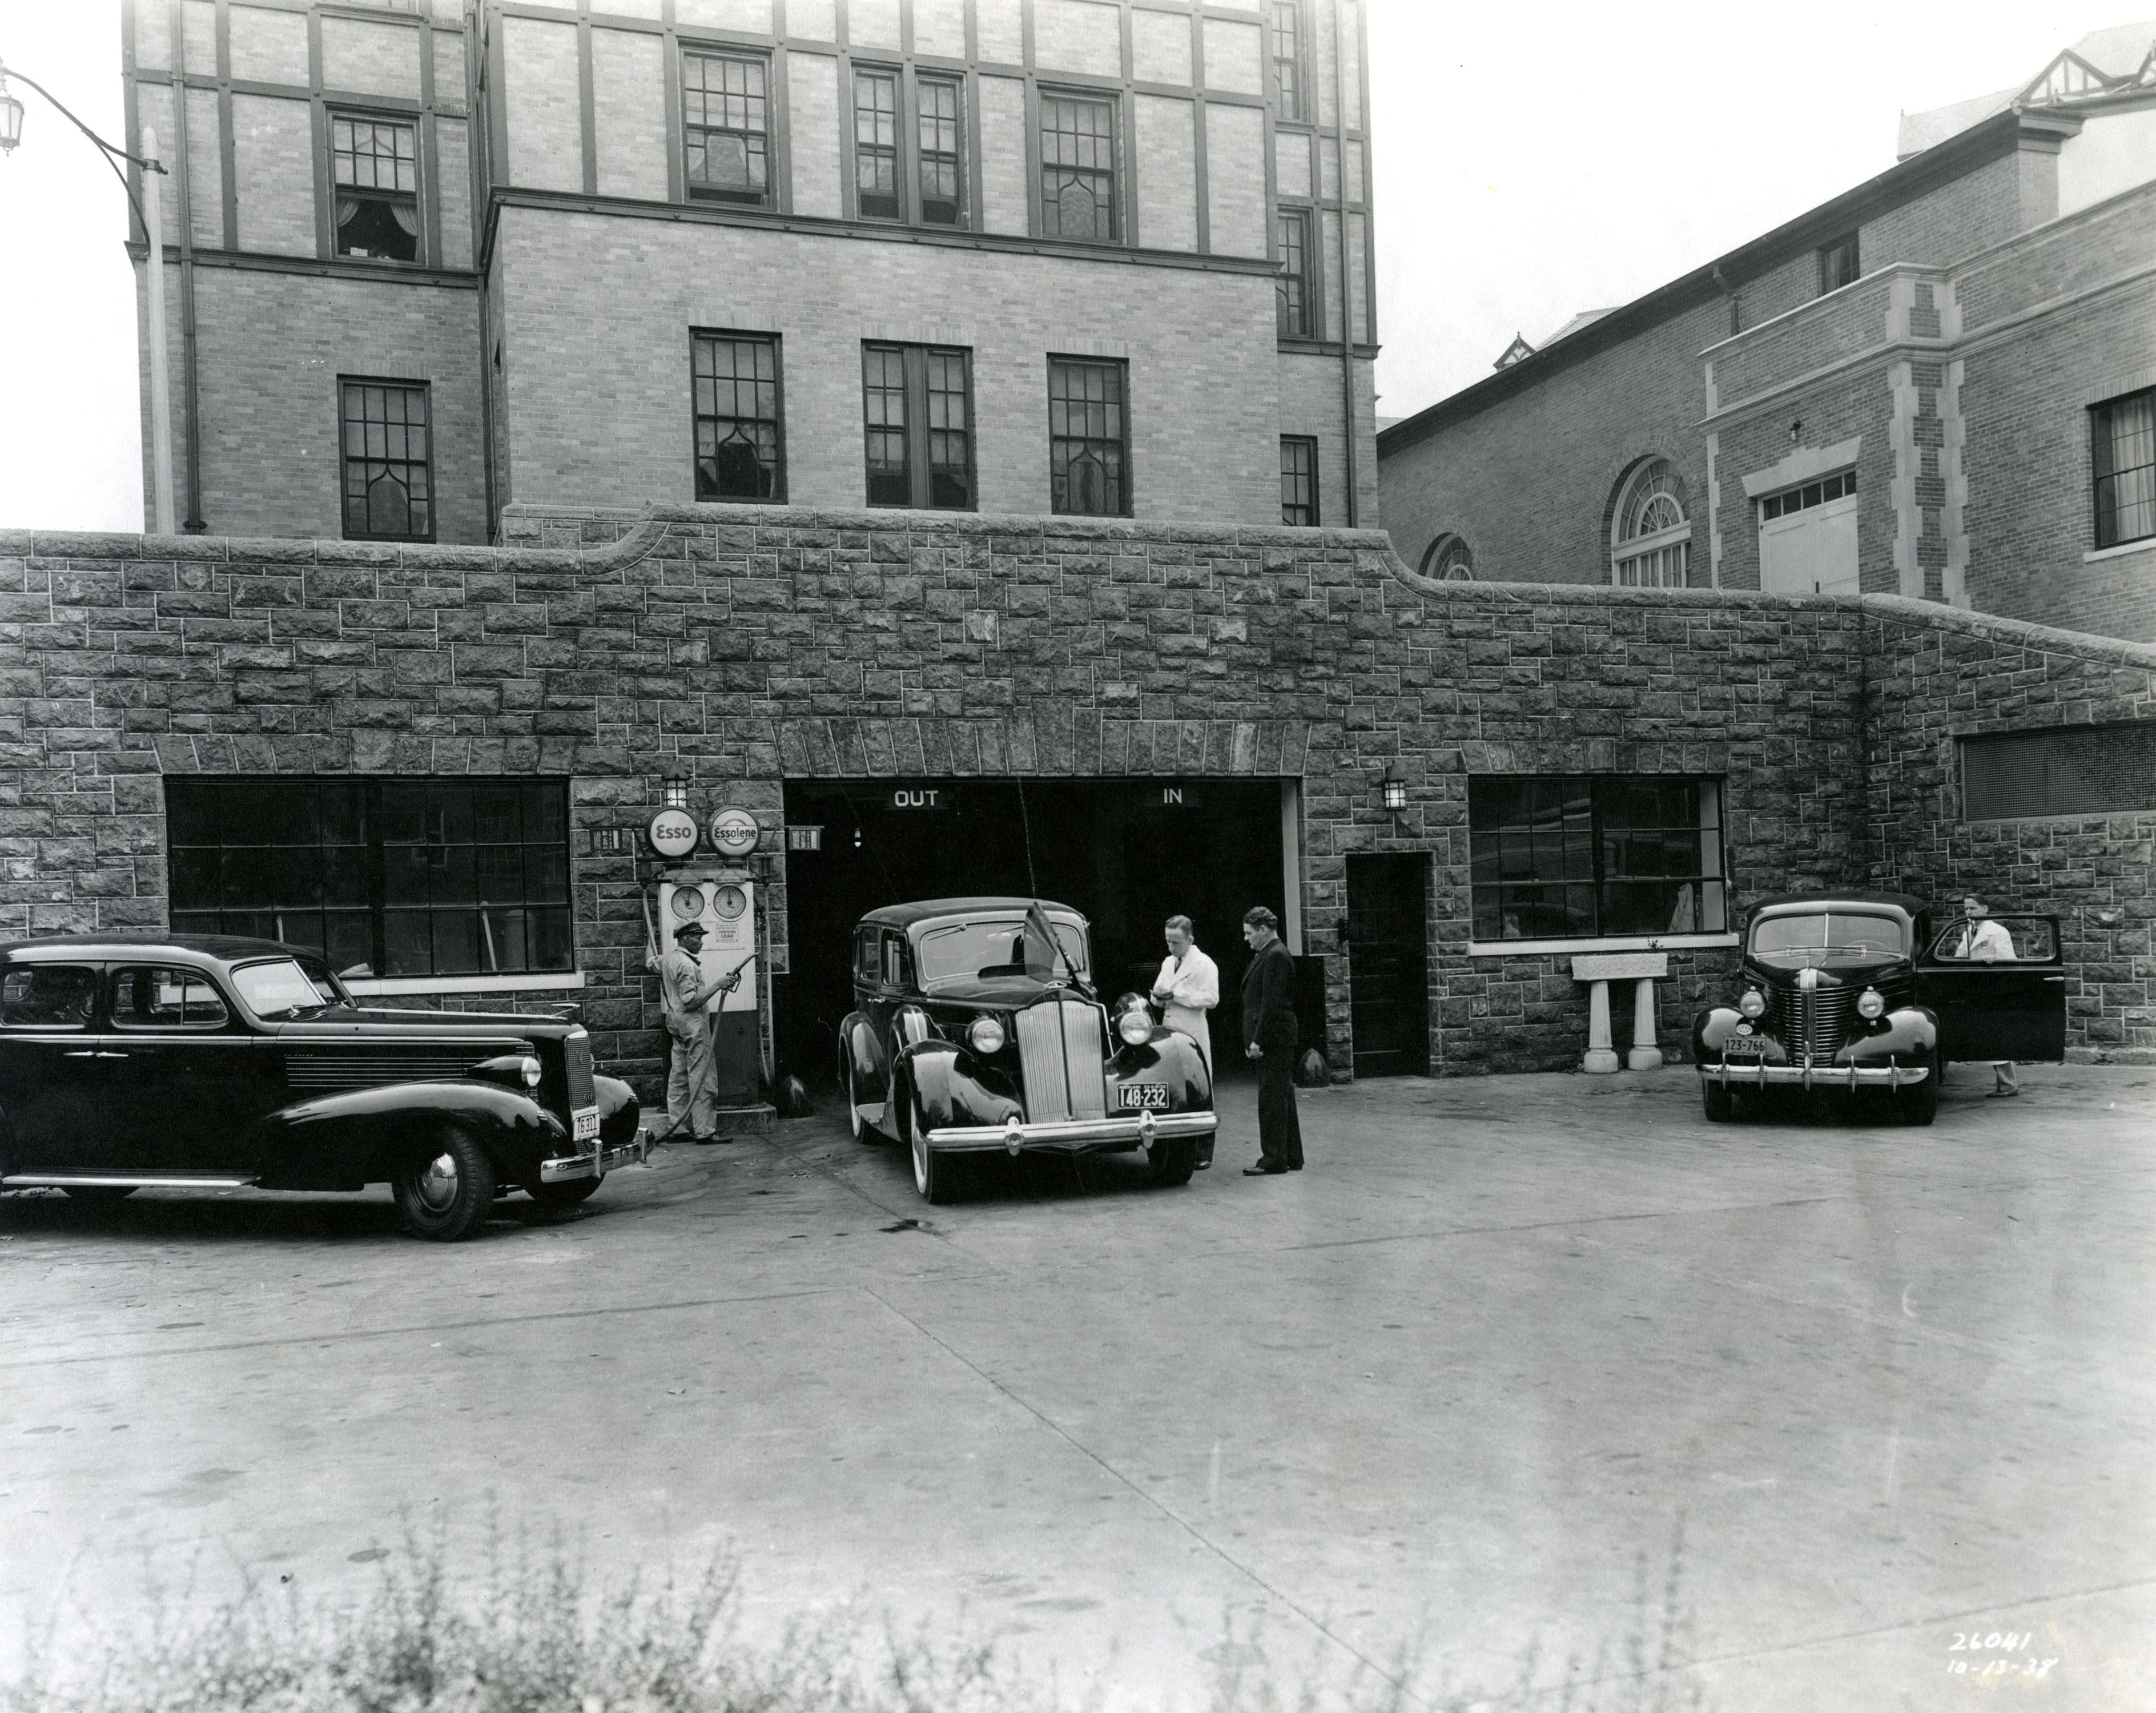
pixel 107 149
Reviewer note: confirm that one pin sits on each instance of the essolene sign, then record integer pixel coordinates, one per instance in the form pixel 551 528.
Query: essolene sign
pixel 672 833
pixel 733 832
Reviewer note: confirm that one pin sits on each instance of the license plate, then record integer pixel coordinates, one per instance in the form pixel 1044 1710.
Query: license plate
pixel 1143 1097
pixel 588 1124
pixel 1744 1049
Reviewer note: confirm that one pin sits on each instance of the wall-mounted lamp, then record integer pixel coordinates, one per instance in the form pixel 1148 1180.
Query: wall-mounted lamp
pixel 1796 431
pixel 1395 787
pixel 677 793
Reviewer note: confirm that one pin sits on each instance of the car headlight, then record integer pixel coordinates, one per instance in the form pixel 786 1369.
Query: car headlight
pixel 1753 1003
pixel 1135 1026
pixel 1871 1003
pixel 530 1069
pixel 986 1036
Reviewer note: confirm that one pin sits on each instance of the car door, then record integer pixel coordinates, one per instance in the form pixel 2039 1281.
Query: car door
pixel 2000 1008
pixel 57 1073
pixel 194 1075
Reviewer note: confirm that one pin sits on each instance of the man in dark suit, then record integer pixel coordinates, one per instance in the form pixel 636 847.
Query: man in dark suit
pixel 1269 1036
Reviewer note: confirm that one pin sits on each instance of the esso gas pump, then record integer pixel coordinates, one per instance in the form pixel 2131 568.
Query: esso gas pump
pixel 722 895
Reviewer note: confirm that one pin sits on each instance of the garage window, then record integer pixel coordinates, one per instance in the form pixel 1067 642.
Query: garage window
pixel 390 877
pixel 1591 856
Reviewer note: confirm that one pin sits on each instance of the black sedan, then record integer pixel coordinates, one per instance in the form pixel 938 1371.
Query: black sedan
pixel 977 1030
pixel 131 1061
pixel 1867 991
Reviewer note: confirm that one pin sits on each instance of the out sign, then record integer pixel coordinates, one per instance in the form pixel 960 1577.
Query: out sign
pixel 913 798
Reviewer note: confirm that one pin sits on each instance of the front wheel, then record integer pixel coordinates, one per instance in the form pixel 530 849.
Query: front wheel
pixel 446 1189
pixel 1719 1099
pixel 1173 1160
pixel 567 1193
pixel 934 1175
pixel 1919 1105
pixel 853 1106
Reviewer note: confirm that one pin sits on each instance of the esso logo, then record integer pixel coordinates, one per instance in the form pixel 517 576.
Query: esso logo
pixel 673 832
pixel 734 832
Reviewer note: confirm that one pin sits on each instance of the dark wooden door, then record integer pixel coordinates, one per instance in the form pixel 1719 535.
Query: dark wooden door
pixel 1388 964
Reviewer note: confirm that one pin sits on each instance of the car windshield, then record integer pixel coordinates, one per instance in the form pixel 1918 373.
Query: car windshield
pixel 1827 936
pixel 282 988
pixel 989 945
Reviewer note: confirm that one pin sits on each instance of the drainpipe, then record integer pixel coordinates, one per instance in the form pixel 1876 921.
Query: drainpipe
pixel 194 524
pixel 1347 308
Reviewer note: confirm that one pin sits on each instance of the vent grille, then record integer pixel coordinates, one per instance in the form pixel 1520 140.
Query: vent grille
pixel 578 1052
pixel 1817 1020
pixel 1060 1052
pixel 315 1072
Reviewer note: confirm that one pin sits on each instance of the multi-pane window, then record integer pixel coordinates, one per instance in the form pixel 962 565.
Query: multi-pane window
pixel 1589 856
pixel 1078 167
pixel 388 486
pixel 1449 560
pixel 1808 494
pixel 1298 481
pixel 943 153
pixel 726 123
pixel 2124 460
pixel 1298 304
pixel 1088 437
pixel 1837 264
pixel 1284 37
pixel 740 449
pixel 1650 547
pixel 374 169
pixel 916 405
pixel 875 145
pixel 387 877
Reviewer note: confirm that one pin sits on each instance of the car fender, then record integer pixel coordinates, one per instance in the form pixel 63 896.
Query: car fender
pixel 1909 1035
pixel 1171 1057
pixel 619 1110
pixel 358 1137
pixel 858 1048
pixel 951 1087
pixel 1716 1026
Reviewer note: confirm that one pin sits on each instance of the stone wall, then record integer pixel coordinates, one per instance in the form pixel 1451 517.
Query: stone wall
pixel 740 646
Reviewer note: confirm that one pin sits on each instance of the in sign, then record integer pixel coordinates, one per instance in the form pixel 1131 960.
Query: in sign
pixel 1171 795
pixel 909 799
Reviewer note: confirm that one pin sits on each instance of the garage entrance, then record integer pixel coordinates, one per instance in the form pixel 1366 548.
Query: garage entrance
pixel 1389 961
pixel 1128 853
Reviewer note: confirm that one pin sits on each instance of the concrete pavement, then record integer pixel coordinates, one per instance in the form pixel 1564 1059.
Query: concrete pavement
pixel 1774 1411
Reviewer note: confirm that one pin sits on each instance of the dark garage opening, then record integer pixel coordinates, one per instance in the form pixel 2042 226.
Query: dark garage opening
pixel 1389 963
pixel 1127 853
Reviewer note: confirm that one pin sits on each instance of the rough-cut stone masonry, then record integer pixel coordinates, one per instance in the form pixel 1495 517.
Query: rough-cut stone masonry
pixel 740 646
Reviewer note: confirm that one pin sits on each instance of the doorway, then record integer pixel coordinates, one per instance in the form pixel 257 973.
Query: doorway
pixel 1389 963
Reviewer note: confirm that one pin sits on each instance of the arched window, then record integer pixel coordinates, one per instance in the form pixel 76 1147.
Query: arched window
pixel 1449 560
pixel 1651 544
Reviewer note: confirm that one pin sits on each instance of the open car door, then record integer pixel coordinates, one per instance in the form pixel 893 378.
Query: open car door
pixel 1998 1007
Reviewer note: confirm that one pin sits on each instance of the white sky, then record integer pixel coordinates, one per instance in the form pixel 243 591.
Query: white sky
pixel 1530 160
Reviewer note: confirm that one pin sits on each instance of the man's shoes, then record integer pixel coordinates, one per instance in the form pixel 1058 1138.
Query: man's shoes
pixel 2001 1094
pixel 1297 1167
pixel 1263 1170
pixel 711 1142
pixel 1204 1165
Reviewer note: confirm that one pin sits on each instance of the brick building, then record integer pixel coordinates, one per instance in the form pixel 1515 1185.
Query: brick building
pixel 425 758
pixel 433 260
pixel 1940 385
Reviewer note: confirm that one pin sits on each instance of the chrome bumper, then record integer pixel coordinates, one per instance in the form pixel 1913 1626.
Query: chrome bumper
pixel 598 1162
pixel 1072 1135
pixel 1761 1074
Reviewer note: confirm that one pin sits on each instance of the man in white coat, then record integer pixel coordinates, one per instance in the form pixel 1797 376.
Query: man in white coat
pixel 1187 987
pixel 1984 941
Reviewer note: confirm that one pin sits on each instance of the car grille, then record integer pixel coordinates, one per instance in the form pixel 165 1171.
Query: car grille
pixel 1814 1020
pixel 578 1053
pixel 322 1071
pixel 1059 1044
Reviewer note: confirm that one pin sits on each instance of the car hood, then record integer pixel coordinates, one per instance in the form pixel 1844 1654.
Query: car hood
pixel 389 1024
pixel 1833 975
pixel 999 993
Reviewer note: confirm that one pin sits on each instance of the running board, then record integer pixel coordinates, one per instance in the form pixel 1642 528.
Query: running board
pixel 115 1181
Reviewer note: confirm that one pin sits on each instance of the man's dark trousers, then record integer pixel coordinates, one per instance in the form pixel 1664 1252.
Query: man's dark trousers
pixel 1280 1131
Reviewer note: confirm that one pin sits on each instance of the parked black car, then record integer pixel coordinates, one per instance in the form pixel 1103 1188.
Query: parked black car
pixel 130 1061
pixel 1856 991
pixel 976 1029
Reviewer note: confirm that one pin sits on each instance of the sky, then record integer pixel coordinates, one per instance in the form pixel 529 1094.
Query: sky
pixel 1530 160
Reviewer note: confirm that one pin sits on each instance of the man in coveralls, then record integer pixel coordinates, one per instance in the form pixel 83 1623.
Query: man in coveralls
pixel 692 1079
pixel 1187 987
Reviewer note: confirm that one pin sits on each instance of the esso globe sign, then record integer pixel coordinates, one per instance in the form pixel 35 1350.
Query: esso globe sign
pixel 672 833
pixel 733 832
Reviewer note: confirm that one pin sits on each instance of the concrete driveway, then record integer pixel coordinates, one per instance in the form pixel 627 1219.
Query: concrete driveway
pixel 1778 1412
